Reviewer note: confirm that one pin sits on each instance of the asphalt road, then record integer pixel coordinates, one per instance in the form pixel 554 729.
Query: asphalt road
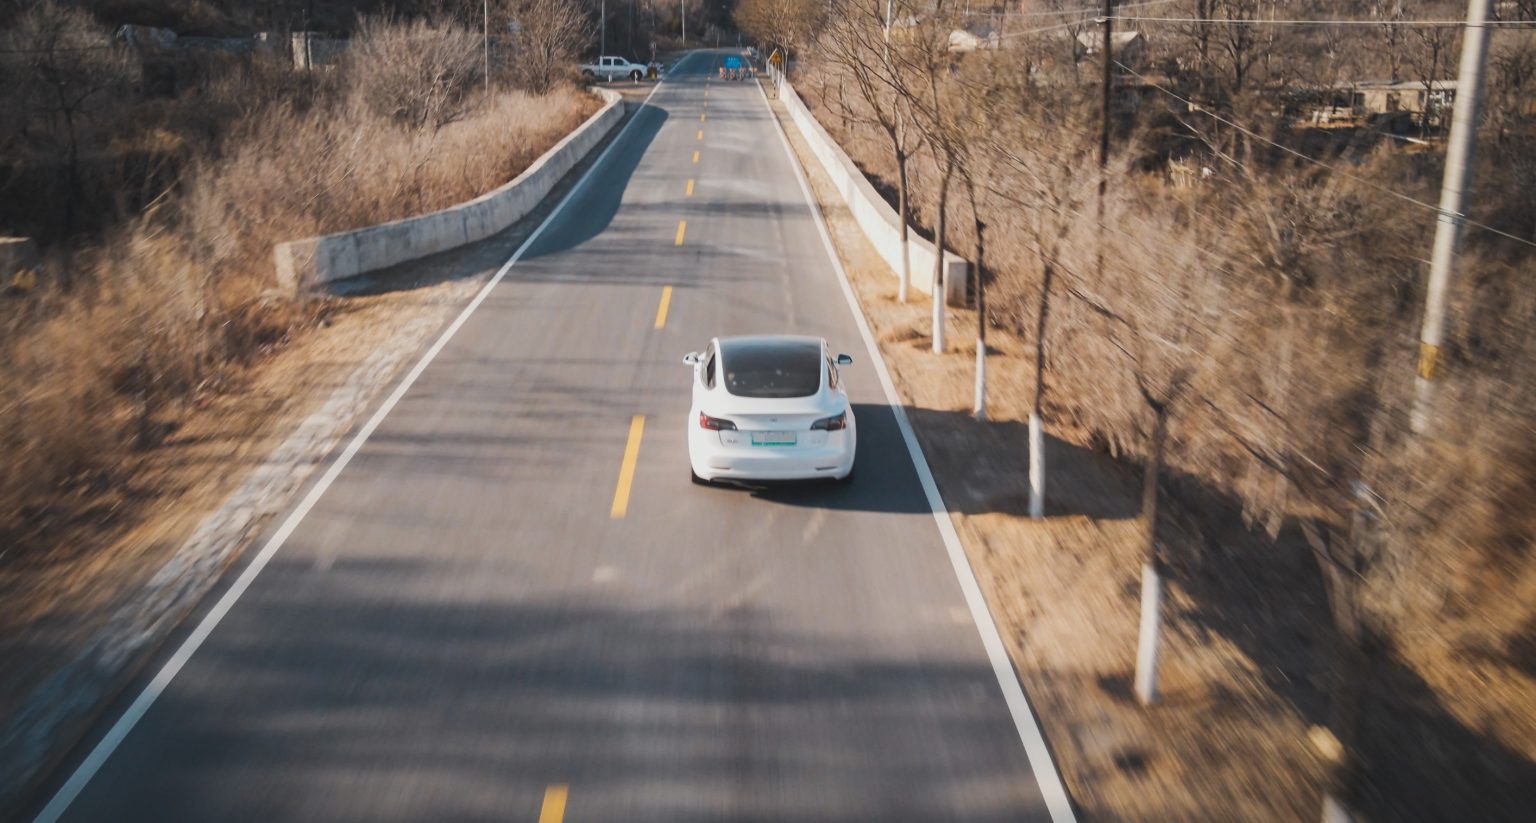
pixel 462 629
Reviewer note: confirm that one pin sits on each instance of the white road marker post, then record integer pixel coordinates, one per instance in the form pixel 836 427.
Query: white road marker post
pixel 979 406
pixel 1146 645
pixel 938 306
pixel 1036 467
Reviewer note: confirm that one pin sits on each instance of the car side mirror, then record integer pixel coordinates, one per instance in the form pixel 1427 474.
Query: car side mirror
pixel 691 358
pixel 844 360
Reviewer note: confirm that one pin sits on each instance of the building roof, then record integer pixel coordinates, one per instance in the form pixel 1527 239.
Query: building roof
pixel 1120 39
pixel 1388 85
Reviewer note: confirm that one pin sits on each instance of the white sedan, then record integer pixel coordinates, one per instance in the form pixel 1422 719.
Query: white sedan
pixel 769 407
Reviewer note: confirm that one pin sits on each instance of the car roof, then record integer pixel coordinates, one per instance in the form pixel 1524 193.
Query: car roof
pixel 789 343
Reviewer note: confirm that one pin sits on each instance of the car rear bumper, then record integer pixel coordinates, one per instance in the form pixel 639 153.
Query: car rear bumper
pixel 716 462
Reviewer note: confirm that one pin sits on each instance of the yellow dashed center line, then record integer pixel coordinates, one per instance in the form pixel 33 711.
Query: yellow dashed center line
pixel 701 117
pixel 553 810
pixel 689 192
pixel 661 309
pixel 682 228
pixel 701 134
pixel 617 512
pixel 695 157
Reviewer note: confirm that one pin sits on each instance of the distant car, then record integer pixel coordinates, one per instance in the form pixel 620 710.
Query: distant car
pixel 614 68
pixel 769 407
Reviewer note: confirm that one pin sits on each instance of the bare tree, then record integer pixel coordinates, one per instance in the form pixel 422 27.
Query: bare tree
pixel 1041 182
pixel 981 98
pixel 1511 82
pixel 1201 34
pixel 548 36
pixel 64 63
pixel 1390 47
pixel 925 58
pixel 855 42
pixel 786 24
pixel 1431 62
pixel 1159 324
pixel 420 73
pixel 1240 43
pixel 1304 404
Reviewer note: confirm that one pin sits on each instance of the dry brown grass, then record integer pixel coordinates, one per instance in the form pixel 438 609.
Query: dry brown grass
pixel 127 331
pixel 1292 297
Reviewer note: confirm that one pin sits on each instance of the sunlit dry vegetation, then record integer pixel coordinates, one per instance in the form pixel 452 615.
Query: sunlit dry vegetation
pixel 154 297
pixel 1239 314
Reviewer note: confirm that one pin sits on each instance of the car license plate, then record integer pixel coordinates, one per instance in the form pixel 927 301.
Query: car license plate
pixel 773 438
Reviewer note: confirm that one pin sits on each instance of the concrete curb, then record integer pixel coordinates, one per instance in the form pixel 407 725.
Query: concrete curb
pixel 317 261
pixel 875 216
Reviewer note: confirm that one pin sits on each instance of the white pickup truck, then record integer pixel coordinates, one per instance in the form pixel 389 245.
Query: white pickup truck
pixel 613 68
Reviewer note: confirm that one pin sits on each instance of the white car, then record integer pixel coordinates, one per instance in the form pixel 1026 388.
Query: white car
pixel 614 68
pixel 769 407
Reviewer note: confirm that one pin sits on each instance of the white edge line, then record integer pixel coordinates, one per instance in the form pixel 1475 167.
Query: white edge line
pixel 1046 775
pixel 114 737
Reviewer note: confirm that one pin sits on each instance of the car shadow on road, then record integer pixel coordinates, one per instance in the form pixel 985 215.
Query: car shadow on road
pixel 596 205
pixel 885 479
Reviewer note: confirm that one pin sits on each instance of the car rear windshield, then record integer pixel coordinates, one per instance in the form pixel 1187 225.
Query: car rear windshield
pixel 772 368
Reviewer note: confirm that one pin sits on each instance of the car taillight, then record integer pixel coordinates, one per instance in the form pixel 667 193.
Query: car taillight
pixel 715 423
pixel 831 424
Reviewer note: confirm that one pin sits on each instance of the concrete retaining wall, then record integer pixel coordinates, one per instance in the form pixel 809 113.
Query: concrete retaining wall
pixel 316 261
pixel 873 214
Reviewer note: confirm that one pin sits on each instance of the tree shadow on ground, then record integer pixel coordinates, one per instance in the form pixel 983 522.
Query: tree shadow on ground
pixel 885 480
pixel 1268 598
pixel 1265 596
pixel 383 689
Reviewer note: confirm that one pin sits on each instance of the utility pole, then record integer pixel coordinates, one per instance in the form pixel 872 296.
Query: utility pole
pixel 682 9
pixel 1104 95
pixel 485 42
pixel 602 28
pixel 1453 192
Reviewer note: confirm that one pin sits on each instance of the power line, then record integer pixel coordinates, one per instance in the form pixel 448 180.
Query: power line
pixel 1057 12
pixel 1043 29
pixel 1326 22
pixel 1320 163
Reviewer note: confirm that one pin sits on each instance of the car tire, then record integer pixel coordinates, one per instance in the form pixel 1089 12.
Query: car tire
pixel 635 76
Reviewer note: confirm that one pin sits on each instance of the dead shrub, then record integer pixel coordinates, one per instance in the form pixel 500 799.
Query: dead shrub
pixel 104 357
pixel 421 74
